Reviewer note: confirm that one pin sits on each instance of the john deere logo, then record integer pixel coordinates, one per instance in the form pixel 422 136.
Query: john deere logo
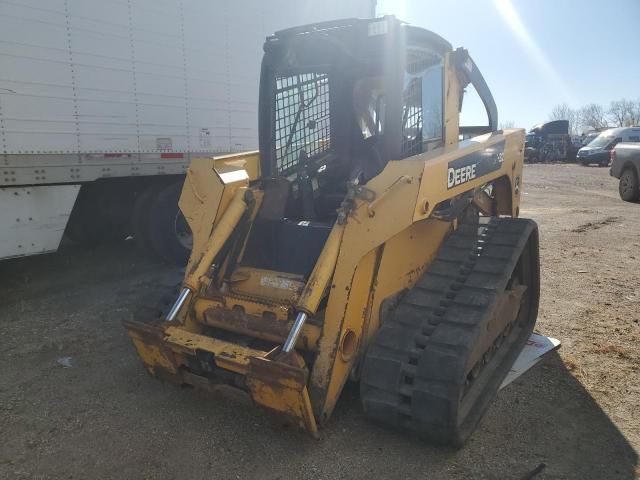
pixel 475 165
pixel 458 176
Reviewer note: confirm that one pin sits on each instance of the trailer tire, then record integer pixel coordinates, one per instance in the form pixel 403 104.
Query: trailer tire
pixel 140 218
pixel 154 304
pixel 168 231
pixel 89 224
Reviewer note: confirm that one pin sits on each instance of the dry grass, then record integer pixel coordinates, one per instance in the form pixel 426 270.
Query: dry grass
pixel 575 368
pixel 595 225
pixel 615 350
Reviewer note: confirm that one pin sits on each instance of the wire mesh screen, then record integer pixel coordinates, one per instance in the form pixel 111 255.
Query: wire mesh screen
pixel 302 118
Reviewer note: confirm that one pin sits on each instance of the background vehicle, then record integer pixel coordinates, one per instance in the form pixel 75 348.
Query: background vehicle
pixel 587 138
pixel 104 103
pixel 598 151
pixel 549 142
pixel 363 241
pixel 625 165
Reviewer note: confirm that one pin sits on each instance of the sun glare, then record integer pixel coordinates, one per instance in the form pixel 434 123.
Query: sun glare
pixel 511 17
pixel 393 7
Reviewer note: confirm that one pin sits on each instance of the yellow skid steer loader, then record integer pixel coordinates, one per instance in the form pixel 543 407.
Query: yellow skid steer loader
pixel 371 238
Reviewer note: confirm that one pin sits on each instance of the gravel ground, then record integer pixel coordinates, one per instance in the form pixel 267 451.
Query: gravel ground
pixel 103 417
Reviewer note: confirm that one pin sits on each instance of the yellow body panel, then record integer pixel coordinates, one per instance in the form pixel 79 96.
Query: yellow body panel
pixel 198 271
pixel 278 386
pixel 253 319
pixel 228 355
pixel 404 258
pixel 247 305
pixel 322 273
pixel 282 388
pixel 353 319
pixel 247 161
pixel 275 286
pixel 205 196
pixel 434 189
pixel 153 354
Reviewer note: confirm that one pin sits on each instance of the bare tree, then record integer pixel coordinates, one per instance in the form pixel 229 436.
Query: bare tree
pixel 622 112
pixel 565 112
pixel 634 118
pixel 507 124
pixel 592 117
pixel 616 113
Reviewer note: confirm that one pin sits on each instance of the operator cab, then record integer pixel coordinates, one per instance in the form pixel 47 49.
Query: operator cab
pixel 338 100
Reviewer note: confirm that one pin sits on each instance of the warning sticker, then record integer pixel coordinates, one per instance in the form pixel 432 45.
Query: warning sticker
pixel 205 138
pixel 164 143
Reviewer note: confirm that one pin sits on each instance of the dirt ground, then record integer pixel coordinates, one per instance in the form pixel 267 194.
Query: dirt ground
pixel 578 412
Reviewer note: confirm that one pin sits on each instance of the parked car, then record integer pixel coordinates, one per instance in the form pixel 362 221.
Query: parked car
pixel 587 138
pixel 598 151
pixel 625 165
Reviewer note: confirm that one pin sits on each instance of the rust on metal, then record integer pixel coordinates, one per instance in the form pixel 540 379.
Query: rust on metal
pixel 280 385
pixel 227 355
pixel 266 327
pixel 148 340
pixel 278 373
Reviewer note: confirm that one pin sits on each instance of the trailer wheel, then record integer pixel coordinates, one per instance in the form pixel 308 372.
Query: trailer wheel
pixel 153 305
pixel 169 234
pixel 140 217
pixel 90 223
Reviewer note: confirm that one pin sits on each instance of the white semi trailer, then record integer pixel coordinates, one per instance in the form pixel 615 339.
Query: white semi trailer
pixel 104 102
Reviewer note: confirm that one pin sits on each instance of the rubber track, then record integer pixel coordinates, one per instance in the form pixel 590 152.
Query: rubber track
pixel 414 376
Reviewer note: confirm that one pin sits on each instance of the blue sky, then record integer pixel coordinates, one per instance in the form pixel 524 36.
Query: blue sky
pixel 536 54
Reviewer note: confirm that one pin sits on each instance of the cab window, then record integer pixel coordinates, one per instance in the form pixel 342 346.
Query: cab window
pixel 422 102
pixel 473 114
pixel 369 106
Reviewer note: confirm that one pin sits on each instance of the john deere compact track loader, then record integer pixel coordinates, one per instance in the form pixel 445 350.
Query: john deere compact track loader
pixel 364 241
